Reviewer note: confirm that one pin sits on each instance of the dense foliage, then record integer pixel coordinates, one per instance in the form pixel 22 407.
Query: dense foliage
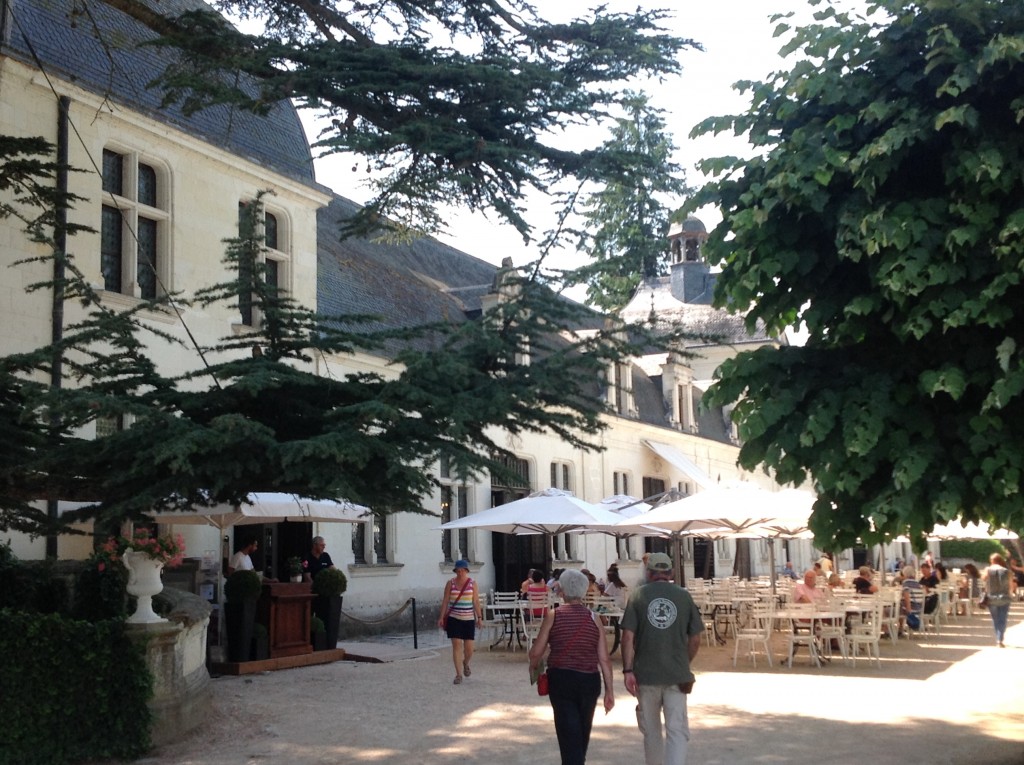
pixel 83 691
pixel 884 209
pixel 445 102
pixel 330 582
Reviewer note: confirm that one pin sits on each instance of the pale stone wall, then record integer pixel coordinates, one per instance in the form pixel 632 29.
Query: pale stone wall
pixel 202 186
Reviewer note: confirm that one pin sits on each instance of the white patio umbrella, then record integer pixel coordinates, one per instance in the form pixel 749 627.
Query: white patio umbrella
pixel 548 512
pixel 268 507
pixel 551 511
pixel 731 509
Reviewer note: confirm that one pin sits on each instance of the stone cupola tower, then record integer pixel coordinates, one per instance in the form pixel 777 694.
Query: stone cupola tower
pixel 692 281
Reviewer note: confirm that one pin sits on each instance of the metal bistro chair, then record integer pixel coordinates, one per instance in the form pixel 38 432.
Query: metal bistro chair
pixel 504 621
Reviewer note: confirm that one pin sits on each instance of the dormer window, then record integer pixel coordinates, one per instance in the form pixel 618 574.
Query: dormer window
pixel 620 389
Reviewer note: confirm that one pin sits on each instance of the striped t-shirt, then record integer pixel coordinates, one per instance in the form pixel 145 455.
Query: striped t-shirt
pixel 573 639
pixel 461 606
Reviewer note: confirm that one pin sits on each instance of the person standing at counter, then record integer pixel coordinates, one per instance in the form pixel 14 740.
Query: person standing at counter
pixel 316 561
pixel 241 560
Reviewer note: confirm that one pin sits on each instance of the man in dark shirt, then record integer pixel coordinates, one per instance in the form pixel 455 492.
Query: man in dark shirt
pixel 929 581
pixel 316 561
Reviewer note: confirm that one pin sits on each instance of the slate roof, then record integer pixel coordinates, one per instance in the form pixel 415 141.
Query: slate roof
pixel 100 52
pixel 424 281
pixel 656 294
pixel 421 281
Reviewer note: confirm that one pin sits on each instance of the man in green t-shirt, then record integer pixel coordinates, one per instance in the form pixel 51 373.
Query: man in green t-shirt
pixel 661 634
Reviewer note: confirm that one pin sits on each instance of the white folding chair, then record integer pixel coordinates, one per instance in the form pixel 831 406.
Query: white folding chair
pixel 758 630
pixel 867 633
pixel 801 633
pixel 832 629
pixel 930 622
pixel 891 602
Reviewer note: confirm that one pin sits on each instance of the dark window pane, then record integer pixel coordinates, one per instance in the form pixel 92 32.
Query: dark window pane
pixel 245 277
pixel 462 512
pixel 113 172
pixel 446 515
pixel 272 270
pixel 110 249
pixel 108 426
pixel 147 258
pixel 358 543
pixel 147 185
pixel 270 231
pixel 380 539
pixel 653 486
pixel 246 223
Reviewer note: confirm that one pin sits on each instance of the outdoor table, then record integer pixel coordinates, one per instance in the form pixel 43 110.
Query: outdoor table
pixel 741 605
pixel 508 612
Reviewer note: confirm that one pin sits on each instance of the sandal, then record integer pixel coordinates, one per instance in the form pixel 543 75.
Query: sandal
pixel 466 669
pixel 457 680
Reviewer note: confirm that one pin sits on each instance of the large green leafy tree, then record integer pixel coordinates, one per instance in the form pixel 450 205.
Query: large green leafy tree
pixel 625 222
pixel 885 209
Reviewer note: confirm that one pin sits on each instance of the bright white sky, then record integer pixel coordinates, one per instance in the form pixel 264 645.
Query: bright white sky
pixel 738 42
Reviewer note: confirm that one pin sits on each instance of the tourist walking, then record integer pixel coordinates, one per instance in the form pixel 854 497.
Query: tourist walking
pixel 997 591
pixel 577 663
pixel 461 612
pixel 661 634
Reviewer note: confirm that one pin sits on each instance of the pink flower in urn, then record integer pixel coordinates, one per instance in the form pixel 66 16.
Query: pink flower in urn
pixel 170 550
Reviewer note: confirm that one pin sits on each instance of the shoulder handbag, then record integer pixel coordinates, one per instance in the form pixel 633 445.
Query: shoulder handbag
pixel 983 601
pixel 542 684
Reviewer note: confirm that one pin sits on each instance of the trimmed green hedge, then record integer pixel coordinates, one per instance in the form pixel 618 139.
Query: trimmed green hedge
pixel 73 691
pixel 977 550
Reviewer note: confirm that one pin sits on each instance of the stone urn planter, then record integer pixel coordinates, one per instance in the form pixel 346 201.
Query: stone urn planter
pixel 143 582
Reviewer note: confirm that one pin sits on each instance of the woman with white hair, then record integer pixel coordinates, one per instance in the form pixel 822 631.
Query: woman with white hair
pixel 998 585
pixel 576 664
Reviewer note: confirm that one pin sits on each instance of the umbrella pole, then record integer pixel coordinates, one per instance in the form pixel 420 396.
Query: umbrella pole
pixel 677 562
pixel 771 560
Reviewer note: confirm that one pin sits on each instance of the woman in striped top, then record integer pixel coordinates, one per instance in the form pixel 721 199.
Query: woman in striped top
pixel 576 664
pixel 460 613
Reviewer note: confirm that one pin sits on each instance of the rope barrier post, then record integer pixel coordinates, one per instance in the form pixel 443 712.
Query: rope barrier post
pixel 415 632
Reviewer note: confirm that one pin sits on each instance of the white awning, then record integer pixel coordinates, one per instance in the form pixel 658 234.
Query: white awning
pixel 681 462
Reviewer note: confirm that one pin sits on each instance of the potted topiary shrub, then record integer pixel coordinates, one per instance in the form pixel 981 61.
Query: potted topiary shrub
pixel 328 587
pixel 260 642
pixel 242 590
pixel 318 634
